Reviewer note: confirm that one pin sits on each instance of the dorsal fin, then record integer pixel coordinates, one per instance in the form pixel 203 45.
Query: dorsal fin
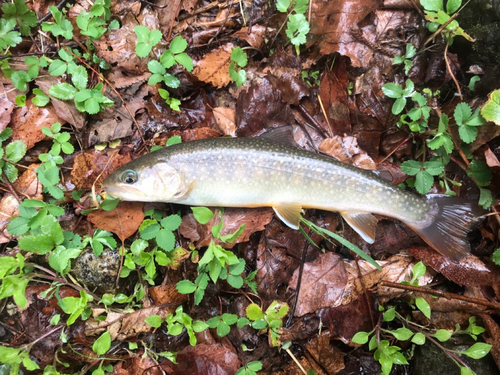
pixel 283 134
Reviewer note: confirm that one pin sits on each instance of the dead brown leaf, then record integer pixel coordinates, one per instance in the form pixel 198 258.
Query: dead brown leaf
pixel 323 283
pixel 225 118
pixel 28 121
pixel 255 219
pixel 255 38
pixel 6 107
pixel 167 294
pixel 331 25
pixel 137 365
pixel 124 220
pixel 205 359
pixel 66 110
pixel 92 167
pixel 491 158
pixel 325 357
pixel 213 68
pixel 346 150
pixel 125 325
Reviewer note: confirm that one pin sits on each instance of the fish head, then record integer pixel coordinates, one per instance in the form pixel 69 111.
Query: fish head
pixel 143 182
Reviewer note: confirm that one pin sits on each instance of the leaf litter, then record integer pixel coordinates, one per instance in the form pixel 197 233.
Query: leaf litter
pixel 331 92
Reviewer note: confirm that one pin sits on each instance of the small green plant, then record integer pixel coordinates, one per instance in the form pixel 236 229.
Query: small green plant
pixel 396 91
pixel 14 357
pixel 297 25
pixel 238 58
pixel 438 16
pixel 161 250
pixel 9 37
pixel 173 55
pixel 467 122
pixel 14 281
pixel 407 58
pixel 250 368
pixel 19 12
pixel 76 307
pixel 491 109
pixel 495 257
pixel 61 26
pixel 177 322
pixel 270 320
pixel 222 323
pixel 146 40
pixel 217 262
pixel 93 24
pixel 388 355
pixel 10 155
pixel 424 173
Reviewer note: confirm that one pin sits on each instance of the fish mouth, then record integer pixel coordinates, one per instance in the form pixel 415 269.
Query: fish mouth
pixel 124 192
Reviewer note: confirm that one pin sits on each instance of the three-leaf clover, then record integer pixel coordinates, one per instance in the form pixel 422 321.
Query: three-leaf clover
pixel 61 26
pixel 396 91
pixel 441 138
pixel 467 122
pixel 423 173
pixel 146 40
pixel 238 58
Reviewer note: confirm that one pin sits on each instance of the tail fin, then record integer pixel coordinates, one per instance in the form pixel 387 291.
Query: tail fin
pixel 447 230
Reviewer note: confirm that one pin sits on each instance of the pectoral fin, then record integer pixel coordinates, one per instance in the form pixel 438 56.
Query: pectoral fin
pixel 363 223
pixel 289 213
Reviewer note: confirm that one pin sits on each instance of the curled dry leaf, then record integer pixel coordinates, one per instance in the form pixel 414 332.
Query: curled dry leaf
pixel 28 121
pixel 139 365
pixel 167 294
pixel 213 68
pixel 326 357
pixel 346 150
pixel 225 118
pixel 124 220
pixel 255 219
pixel 92 167
pixel 255 37
pixel 491 158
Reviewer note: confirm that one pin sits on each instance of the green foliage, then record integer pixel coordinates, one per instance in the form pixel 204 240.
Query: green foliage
pixel 13 279
pixel 441 137
pixel 177 322
pixel 297 25
pixel 407 58
pixel 14 357
pixel 423 173
pixel 238 59
pixel 438 16
pixel 102 344
pixel 173 55
pixel 91 101
pixel 9 37
pixel 161 251
pixel 93 24
pixel 146 40
pixel 496 257
pixel 467 122
pixel 250 368
pixel 491 109
pixel 76 307
pixel 40 99
pixel 61 26
pixel 21 14
pixel 396 91
pixel 202 214
pixel 222 323
pixel 270 320
pixel 11 154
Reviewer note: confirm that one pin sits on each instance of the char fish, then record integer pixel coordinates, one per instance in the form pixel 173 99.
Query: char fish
pixel 268 172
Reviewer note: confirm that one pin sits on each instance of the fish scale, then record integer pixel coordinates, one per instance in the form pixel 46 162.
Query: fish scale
pixel 265 171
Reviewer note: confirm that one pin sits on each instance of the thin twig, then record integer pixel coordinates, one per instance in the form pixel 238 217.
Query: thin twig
pixel 11 188
pixel 448 67
pixel 397 148
pixel 223 23
pixel 447 295
pixel 325 115
pixel 296 361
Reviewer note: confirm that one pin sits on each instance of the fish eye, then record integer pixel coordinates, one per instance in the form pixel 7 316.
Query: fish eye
pixel 129 177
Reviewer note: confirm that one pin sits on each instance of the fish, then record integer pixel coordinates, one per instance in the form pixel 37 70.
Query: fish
pixel 271 171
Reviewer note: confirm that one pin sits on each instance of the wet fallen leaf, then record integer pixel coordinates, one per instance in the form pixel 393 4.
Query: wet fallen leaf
pixel 491 158
pixel 255 37
pixel 346 150
pixel 137 365
pixel 28 121
pixel 205 359
pixel 328 359
pixel 167 294
pixel 225 118
pixel 6 108
pixel 124 220
pixel 214 67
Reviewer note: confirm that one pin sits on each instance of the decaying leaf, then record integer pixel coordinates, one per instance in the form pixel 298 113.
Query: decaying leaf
pixel 255 37
pixel 346 150
pixel 214 67
pixel 124 220
pixel 225 118
pixel 6 108
pixel 207 359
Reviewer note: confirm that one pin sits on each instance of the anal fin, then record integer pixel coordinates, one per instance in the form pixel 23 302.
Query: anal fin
pixel 363 223
pixel 289 213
